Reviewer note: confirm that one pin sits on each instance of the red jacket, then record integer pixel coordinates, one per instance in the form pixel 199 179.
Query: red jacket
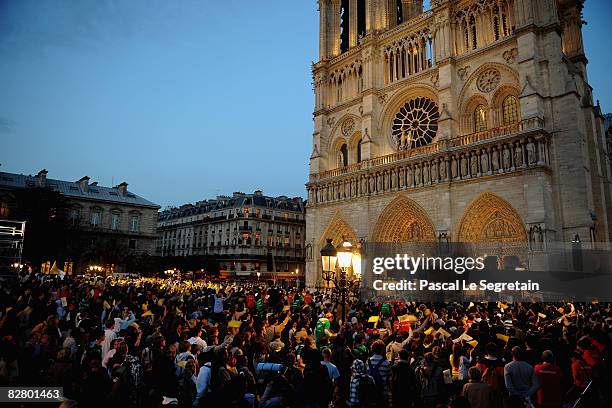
pixel 549 393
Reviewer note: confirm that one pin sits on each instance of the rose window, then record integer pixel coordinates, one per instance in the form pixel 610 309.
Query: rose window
pixel 488 80
pixel 415 124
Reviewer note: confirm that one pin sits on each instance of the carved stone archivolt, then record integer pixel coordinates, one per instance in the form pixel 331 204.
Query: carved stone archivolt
pixel 491 219
pixel 488 80
pixel 404 221
pixel 337 229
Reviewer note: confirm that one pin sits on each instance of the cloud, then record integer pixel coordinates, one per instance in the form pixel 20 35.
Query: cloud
pixel 6 125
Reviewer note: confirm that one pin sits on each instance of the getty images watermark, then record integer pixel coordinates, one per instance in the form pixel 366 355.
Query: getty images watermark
pixel 484 271
pixel 459 265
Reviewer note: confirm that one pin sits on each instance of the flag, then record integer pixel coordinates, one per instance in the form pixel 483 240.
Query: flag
pixel 55 270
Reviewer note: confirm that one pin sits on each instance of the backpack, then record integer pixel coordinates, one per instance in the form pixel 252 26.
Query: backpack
pixel 147 360
pixel 367 392
pixel 374 372
pixel 428 382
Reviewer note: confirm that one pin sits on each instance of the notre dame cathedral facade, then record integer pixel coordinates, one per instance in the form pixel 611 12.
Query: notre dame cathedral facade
pixel 472 121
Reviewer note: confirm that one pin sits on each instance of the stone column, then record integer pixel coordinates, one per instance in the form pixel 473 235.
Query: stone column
pixel 334 30
pixel 370 10
pixel 392 14
pixel 323 29
pixel 352 23
pixel 406 10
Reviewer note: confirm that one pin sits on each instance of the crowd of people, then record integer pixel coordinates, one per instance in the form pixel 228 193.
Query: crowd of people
pixel 151 342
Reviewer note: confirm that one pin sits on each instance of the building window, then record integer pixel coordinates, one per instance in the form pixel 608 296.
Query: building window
pixel 134 223
pixel 480 118
pixel 115 222
pixel 96 217
pixel 132 244
pixel 75 216
pixel 415 124
pixel 359 151
pixel 343 156
pixel 4 210
pixel 510 110
pixel 473 32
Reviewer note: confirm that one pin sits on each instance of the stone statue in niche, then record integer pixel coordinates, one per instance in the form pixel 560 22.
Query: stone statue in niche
pixel 495 160
pixel 474 161
pixel 536 237
pixel 426 173
pixel 531 152
pixel 464 166
pixel 414 232
pixel 379 182
pixel 410 179
pixel 434 172
pixel 484 161
pixel 506 158
pixel 442 170
pixel 417 175
pixel 518 155
pixel 454 167
pixel 372 184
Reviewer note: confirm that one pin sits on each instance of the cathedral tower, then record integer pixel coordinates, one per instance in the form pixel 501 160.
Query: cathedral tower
pixel 472 121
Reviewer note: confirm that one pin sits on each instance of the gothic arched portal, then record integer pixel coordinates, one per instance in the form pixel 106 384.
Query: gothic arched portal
pixel 491 219
pixel 337 229
pixel 404 221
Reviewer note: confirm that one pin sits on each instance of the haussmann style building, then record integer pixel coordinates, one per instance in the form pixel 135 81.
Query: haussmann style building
pixel 473 121
pixel 103 229
pixel 244 234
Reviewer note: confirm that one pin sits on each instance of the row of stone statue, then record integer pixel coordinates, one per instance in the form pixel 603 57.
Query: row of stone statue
pixel 492 159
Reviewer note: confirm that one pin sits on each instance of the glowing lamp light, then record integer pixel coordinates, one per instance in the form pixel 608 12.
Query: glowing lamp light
pixel 345 254
pixel 357 265
pixel 329 256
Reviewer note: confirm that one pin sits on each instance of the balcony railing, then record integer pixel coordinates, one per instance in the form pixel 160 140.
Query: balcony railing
pixel 476 137
pixel 503 150
pixel 458 141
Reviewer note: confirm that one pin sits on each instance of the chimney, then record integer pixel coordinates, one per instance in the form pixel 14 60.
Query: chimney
pixel 84 183
pixel 41 177
pixel 122 188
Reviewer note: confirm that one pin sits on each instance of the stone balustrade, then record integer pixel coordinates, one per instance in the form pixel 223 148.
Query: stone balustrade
pixel 497 151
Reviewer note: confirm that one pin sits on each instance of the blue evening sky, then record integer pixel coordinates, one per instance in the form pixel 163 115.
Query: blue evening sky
pixel 184 100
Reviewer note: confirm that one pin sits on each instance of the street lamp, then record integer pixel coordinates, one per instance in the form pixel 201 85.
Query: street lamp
pixel 328 260
pixel 343 285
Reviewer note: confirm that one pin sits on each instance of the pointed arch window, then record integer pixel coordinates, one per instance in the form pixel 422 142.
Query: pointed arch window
pixel 510 110
pixel 343 156
pixel 473 32
pixel 480 118
pixel 359 151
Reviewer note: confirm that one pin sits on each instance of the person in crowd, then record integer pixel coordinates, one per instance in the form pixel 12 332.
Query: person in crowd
pixel 150 341
pixel 430 378
pixel 403 381
pixel 550 379
pixel 334 374
pixel 479 394
pixel 379 368
pixel 520 378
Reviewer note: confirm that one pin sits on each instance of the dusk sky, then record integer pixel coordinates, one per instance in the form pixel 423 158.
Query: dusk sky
pixel 184 100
